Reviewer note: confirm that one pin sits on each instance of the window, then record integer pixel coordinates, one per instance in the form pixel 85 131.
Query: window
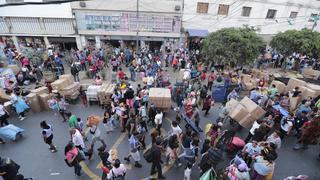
pixel 14 1
pixel 313 17
pixel 293 15
pixel 223 9
pixel 202 7
pixel 246 11
pixel 271 14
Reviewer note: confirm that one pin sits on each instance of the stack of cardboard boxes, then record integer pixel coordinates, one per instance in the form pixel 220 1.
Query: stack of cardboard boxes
pixel 310 73
pixel 161 97
pixel 104 93
pixel 279 85
pixel 38 99
pixel 245 112
pixel 66 86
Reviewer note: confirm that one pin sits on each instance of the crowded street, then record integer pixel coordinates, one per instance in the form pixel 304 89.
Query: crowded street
pixel 170 89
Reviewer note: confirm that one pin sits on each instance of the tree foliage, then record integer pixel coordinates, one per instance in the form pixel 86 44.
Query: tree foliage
pixel 232 46
pixel 304 41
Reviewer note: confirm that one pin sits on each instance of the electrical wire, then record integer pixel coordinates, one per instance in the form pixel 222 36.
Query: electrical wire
pixel 39 3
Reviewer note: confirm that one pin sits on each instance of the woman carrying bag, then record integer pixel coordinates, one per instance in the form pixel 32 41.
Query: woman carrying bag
pixel 73 158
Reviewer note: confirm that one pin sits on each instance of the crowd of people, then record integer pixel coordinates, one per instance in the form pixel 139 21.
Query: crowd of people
pixel 130 112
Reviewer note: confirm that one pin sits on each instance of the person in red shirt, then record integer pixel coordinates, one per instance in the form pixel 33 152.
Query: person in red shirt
pixel 121 74
pixel 211 78
pixel 203 76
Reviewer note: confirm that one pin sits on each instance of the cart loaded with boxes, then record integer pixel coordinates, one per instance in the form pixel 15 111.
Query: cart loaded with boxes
pixel 161 98
pixel 101 94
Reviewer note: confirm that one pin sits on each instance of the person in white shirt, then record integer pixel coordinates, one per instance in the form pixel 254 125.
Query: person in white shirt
pixel 176 130
pixel 118 170
pixel 150 81
pixel 3 116
pixel 158 121
pixel 255 126
pixel 77 140
pixel 96 135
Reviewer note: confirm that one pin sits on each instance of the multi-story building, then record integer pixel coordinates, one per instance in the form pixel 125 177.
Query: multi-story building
pixel 37 25
pixel 121 22
pixel 267 16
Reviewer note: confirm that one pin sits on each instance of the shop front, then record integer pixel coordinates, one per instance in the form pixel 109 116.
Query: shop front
pixel 119 29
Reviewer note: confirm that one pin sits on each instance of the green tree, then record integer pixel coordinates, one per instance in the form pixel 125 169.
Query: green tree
pixel 232 46
pixel 304 41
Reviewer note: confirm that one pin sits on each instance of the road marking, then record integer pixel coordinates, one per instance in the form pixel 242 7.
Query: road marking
pixel 89 173
pixel 115 146
pixel 164 170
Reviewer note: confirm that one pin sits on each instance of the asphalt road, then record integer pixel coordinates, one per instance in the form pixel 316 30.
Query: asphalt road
pixel 36 160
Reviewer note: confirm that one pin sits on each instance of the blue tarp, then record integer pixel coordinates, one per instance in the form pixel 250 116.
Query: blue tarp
pixel 197 32
pixel 284 112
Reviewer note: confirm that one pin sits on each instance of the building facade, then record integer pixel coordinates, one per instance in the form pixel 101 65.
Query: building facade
pixel 37 25
pixel 121 22
pixel 268 16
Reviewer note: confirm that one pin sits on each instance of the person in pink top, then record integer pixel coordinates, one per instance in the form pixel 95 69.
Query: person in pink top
pixel 71 153
pixel 25 62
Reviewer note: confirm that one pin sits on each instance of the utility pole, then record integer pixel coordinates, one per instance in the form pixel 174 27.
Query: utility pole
pixel 137 36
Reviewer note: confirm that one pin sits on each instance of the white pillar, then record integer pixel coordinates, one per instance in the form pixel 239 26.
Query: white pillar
pixel 79 43
pixel 83 41
pixel 16 44
pixel 98 42
pixel 46 41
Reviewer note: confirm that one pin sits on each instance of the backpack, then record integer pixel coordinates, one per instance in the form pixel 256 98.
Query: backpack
pixel 148 155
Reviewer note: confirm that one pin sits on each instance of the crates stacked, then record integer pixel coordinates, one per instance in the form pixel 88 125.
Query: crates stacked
pixel 161 98
pixel 104 93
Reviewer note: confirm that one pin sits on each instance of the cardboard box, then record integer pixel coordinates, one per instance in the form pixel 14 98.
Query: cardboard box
pixel 161 97
pixel 68 77
pixel 307 92
pixel 294 102
pixel 48 76
pixel 44 101
pixel 314 87
pixel 249 86
pixel 255 110
pixel 246 78
pixel 293 82
pixel 33 101
pixel 247 121
pixel 40 90
pixel 3 96
pixel 71 89
pixel 93 120
pixel 238 112
pixel 59 84
pixel 230 105
pixel 279 85
pixel 310 73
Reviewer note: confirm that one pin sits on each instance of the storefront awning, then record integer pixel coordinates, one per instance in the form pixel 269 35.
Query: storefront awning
pixel 197 32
